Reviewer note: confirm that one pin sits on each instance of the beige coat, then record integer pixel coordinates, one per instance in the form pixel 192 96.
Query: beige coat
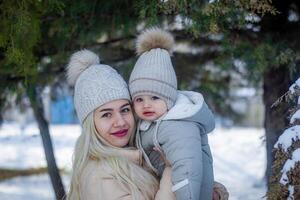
pixel 99 183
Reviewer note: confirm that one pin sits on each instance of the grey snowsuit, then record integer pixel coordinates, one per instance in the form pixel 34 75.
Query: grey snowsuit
pixel 182 135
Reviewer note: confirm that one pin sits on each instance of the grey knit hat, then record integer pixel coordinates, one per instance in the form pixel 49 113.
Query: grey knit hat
pixel 153 73
pixel 95 84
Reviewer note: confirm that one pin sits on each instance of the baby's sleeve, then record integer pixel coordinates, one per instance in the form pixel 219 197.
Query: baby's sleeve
pixel 181 143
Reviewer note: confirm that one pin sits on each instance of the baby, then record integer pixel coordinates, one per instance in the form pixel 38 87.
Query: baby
pixel 171 121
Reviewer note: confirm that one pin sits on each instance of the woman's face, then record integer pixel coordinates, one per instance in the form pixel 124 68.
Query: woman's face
pixel 114 121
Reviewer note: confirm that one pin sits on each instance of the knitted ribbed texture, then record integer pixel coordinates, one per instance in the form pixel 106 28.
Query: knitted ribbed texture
pixel 97 85
pixel 154 74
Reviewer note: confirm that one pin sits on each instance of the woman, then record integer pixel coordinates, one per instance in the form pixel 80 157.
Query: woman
pixel 106 166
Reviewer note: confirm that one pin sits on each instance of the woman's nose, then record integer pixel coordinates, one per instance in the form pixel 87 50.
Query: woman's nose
pixel 119 120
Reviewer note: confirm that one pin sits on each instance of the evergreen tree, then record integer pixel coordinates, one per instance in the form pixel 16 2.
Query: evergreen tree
pixel 285 180
pixel 37 37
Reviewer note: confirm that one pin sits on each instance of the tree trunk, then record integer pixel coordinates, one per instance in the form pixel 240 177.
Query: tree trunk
pixel 276 82
pixel 38 109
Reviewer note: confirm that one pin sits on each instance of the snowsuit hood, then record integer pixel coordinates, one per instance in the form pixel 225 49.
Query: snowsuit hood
pixel 190 106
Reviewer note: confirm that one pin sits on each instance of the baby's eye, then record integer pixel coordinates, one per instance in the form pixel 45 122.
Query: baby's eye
pixel 106 115
pixel 155 97
pixel 138 99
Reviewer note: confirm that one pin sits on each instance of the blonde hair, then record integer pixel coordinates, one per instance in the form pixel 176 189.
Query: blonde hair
pixel 90 145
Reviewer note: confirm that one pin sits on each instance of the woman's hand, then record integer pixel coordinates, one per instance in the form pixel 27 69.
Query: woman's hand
pixel 162 156
pixel 165 186
pixel 220 192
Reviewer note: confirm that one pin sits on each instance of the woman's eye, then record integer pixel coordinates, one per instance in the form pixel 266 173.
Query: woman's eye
pixel 125 110
pixel 106 115
pixel 154 98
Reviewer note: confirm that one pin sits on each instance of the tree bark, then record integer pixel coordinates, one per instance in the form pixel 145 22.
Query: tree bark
pixel 276 82
pixel 38 109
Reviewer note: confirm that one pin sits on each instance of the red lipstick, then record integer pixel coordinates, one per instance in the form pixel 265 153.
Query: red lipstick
pixel 120 133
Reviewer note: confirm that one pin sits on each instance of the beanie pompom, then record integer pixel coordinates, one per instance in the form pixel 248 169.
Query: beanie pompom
pixel 154 38
pixel 79 61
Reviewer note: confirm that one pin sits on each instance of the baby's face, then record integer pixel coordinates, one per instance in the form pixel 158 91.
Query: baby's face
pixel 149 107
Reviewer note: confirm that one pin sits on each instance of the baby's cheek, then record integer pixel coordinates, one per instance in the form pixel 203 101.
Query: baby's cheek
pixel 137 110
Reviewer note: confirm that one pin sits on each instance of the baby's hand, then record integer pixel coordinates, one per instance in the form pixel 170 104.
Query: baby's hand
pixel 162 156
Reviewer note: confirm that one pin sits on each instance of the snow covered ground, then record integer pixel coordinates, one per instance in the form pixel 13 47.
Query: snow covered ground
pixel 239 160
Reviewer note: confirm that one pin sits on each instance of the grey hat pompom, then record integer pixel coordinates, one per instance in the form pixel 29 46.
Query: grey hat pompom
pixel 80 61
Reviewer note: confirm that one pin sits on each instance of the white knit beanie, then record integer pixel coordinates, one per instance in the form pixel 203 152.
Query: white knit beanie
pixel 153 73
pixel 95 84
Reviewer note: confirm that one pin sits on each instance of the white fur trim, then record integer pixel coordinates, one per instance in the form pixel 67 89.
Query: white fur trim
pixel 79 61
pixel 153 38
pixel 188 103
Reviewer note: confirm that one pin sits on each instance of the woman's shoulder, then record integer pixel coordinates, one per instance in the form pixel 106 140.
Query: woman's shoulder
pixel 98 180
pixel 97 169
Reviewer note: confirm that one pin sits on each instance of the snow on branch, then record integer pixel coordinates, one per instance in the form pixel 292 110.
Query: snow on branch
pixel 285 179
pixel 295 86
pixel 294 90
pixel 295 116
pixel 289 135
pixel 289 164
